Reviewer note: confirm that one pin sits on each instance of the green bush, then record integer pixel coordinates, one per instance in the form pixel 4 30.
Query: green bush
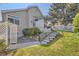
pixel 26 31
pixel 76 23
pixel 31 31
pixel 2 45
pixel 76 29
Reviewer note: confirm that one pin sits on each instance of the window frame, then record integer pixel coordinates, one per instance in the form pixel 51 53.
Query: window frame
pixel 15 20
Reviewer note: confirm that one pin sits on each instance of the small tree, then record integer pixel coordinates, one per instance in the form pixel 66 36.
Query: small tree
pixel 76 23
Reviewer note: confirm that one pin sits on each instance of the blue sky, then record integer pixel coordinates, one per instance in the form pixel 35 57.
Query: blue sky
pixel 44 7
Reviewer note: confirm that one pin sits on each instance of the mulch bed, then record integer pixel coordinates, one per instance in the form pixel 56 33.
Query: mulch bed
pixel 3 53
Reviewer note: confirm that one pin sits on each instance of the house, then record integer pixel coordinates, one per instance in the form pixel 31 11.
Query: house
pixel 13 21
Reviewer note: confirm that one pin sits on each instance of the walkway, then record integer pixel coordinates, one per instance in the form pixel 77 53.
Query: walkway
pixel 23 42
pixel 50 37
pixel 22 45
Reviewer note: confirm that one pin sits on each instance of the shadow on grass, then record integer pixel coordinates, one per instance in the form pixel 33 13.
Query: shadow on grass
pixel 54 40
pixel 64 31
pixel 13 52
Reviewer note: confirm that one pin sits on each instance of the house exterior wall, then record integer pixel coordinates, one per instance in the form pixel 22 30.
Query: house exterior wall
pixel 23 19
pixel 40 24
pixel 34 13
pixel 26 18
pixel 0 15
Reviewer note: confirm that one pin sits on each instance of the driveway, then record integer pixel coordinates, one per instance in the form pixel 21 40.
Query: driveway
pixel 25 40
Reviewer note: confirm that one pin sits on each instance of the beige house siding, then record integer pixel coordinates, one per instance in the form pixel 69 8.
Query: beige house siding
pixel 0 15
pixel 26 17
pixel 34 13
pixel 23 19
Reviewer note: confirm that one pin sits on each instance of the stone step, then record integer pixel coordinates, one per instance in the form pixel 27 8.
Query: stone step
pixel 51 39
pixel 46 40
pixel 44 43
pixel 54 33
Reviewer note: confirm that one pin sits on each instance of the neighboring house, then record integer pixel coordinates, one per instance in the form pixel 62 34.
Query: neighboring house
pixel 21 18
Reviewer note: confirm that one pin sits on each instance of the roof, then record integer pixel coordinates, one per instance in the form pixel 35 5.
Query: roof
pixel 13 10
pixel 22 9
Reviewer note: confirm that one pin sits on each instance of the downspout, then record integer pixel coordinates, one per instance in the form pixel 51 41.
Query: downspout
pixel 8 33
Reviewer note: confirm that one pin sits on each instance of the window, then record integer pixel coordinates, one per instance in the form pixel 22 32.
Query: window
pixel 34 22
pixel 36 19
pixel 13 19
pixel 17 22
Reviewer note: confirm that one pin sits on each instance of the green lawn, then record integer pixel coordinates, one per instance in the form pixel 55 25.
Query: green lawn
pixel 65 44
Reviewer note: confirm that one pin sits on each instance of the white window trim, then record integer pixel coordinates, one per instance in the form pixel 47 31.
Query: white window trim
pixel 13 17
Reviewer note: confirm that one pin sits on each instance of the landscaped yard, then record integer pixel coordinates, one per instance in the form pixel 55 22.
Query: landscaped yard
pixel 66 44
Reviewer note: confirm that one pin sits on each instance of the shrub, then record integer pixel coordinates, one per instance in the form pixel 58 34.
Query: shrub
pixel 76 23
pixel 26 31
pixel 2 45
pixel 31 31
pixel 76 29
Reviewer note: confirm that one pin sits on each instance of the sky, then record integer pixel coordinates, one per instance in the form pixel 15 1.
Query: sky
pixel 44 7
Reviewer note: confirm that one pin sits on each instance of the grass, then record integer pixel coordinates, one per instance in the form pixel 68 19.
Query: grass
pixel 66 44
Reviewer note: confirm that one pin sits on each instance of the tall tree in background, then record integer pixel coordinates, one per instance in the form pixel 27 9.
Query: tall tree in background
pixel 63 11
pixel 56 10
pixel 72 9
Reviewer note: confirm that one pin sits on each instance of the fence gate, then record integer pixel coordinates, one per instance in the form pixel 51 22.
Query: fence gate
pixel 8 32
pixel 13 33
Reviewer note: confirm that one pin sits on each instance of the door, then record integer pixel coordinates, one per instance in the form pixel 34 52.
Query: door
pixel 13 33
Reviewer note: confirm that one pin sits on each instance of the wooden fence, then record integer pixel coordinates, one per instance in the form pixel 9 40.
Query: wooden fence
pixel 8 32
